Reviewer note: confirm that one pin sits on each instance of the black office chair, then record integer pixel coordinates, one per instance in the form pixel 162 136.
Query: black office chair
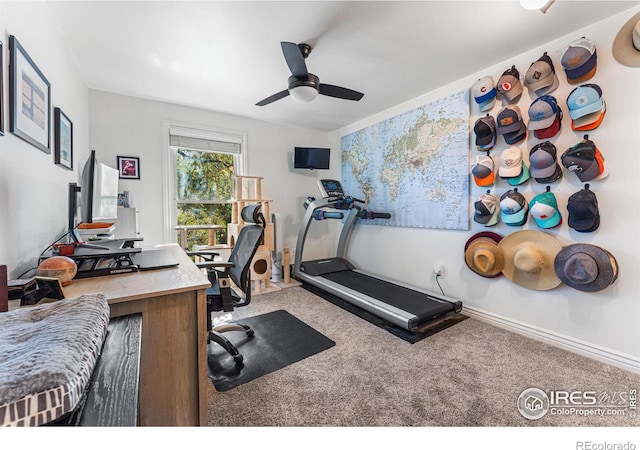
pixel 221 296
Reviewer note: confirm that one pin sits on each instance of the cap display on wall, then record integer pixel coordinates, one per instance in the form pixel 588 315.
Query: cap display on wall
pixel 510 124
pixel 529 259
pixel 580 60
pixel 544 210
pixel 586 267
pixel 544 113
pixel 584 215
pixel 541 78
pixel 486 133
pixel 585 160
pixel 585 99
pixel 483 170
pixel 484 93
pixel 510 162
pixel 487 210
pixel 589 121
pixel 513 208
pixel 482 255
pixel 626 45
pixel 509 86
pixel 543 163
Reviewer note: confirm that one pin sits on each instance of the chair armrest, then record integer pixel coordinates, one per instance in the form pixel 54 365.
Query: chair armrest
pixel 204 253
pixel 214 264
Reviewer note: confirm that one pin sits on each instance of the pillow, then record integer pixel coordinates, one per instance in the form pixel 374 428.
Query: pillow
pixel 47 356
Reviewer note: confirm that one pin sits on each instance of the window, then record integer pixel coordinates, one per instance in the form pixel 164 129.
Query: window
pixel 202 166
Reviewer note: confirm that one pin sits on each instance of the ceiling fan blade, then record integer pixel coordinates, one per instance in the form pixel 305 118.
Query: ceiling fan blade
pixel 273 98
pixel 295 59
pixel 340 92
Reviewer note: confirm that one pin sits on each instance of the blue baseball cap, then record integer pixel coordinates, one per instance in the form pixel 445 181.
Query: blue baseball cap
pixel 580 60
pixel 513 208
pixel 585 99
pixel 544 210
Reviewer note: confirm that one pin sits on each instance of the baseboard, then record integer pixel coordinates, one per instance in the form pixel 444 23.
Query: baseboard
pixel 601 354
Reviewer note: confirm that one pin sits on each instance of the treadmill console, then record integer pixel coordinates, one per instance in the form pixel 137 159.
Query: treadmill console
pixel 330 188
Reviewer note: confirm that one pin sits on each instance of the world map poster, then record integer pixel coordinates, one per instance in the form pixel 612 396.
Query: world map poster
pixel 414 166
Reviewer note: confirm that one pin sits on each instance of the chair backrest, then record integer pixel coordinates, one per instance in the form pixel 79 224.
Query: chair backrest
pixel 246 246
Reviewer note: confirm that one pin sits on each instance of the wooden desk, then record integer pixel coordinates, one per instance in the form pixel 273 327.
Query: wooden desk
pixel 173 363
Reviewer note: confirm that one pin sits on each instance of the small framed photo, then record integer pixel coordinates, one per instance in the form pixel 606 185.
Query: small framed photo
pixel 129 167
pixel 63 139
pixel 29 99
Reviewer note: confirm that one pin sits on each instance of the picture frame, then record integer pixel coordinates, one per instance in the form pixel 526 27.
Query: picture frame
pixel 1 89
pixel 63 142
pixel 29 99
pixel 129 167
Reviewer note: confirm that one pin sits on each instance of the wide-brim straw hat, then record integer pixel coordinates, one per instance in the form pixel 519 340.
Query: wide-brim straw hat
pixel 586 267
pixel 624 50
pixel 482 255
pixel 529 259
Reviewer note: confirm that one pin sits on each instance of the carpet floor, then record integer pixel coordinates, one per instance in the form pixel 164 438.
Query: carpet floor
pixel 468 375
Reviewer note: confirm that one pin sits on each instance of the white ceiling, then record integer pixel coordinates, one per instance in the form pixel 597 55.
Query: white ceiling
pixel 225 55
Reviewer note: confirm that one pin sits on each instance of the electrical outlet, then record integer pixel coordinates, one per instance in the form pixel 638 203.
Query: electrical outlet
pixel 438 270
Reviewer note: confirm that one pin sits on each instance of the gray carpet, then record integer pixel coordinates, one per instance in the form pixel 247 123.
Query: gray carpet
pixel 468 375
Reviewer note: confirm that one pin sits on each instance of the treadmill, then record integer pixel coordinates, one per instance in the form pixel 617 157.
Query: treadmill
pixel 408 307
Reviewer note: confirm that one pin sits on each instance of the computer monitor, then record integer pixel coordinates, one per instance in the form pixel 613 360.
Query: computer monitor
pixel 98 195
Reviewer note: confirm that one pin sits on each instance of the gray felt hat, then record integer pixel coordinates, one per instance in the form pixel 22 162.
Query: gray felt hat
pixel 586 267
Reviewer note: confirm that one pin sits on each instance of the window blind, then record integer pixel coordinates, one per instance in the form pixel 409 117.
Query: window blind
pixel 202 140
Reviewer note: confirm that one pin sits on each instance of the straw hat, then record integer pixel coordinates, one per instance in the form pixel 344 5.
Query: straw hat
pixel 586 267
pixel 528 259
pixel 626 45
pixel 482 255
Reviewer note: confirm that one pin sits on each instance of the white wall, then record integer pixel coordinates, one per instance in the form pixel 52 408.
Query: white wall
pixel 606 321
pixel 33 190
pixel 129 126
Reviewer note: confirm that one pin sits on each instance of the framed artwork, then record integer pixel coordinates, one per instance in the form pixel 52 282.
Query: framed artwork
pixel 29 99
pixel 129 167
pixel 63 143
pixel 1 90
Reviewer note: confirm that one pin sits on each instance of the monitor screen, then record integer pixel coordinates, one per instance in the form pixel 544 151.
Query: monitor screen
pixel 311 158
pixel 99 191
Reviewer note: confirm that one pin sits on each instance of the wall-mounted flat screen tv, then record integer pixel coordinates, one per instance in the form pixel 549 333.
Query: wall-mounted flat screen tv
pixel 311 158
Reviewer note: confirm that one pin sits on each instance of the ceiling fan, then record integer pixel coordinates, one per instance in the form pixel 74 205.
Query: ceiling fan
pixel 304 86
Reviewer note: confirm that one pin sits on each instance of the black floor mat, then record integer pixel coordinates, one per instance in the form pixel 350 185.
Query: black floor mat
pixel 382 323
pixel 280 339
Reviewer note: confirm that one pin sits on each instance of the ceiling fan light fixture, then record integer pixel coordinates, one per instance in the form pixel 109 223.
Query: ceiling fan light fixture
pixel 542 5
pixel 304 94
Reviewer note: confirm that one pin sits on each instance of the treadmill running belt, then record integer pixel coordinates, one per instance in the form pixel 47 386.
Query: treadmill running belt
pixel 414 302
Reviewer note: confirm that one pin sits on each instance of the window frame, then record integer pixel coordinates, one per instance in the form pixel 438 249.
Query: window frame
pixel 170 204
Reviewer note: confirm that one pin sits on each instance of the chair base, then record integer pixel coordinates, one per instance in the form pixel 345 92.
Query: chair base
pixel 216 336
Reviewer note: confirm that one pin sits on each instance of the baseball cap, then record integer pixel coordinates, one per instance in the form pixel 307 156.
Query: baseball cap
pixel 510 162
pixel 483 170
pixel 522 178
pixel 509 85
pixel 580 60
pixel 544 210
pixel 584 215
pixel 543 111
pixel 510 124
pixel 543 163
pixel 585 99
pixel 487 210
pixel 590 121
pixel 541 77
pixel 485 131
pixel 484 93
pixel 553 129
pixel 585 160
pixel 513 208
